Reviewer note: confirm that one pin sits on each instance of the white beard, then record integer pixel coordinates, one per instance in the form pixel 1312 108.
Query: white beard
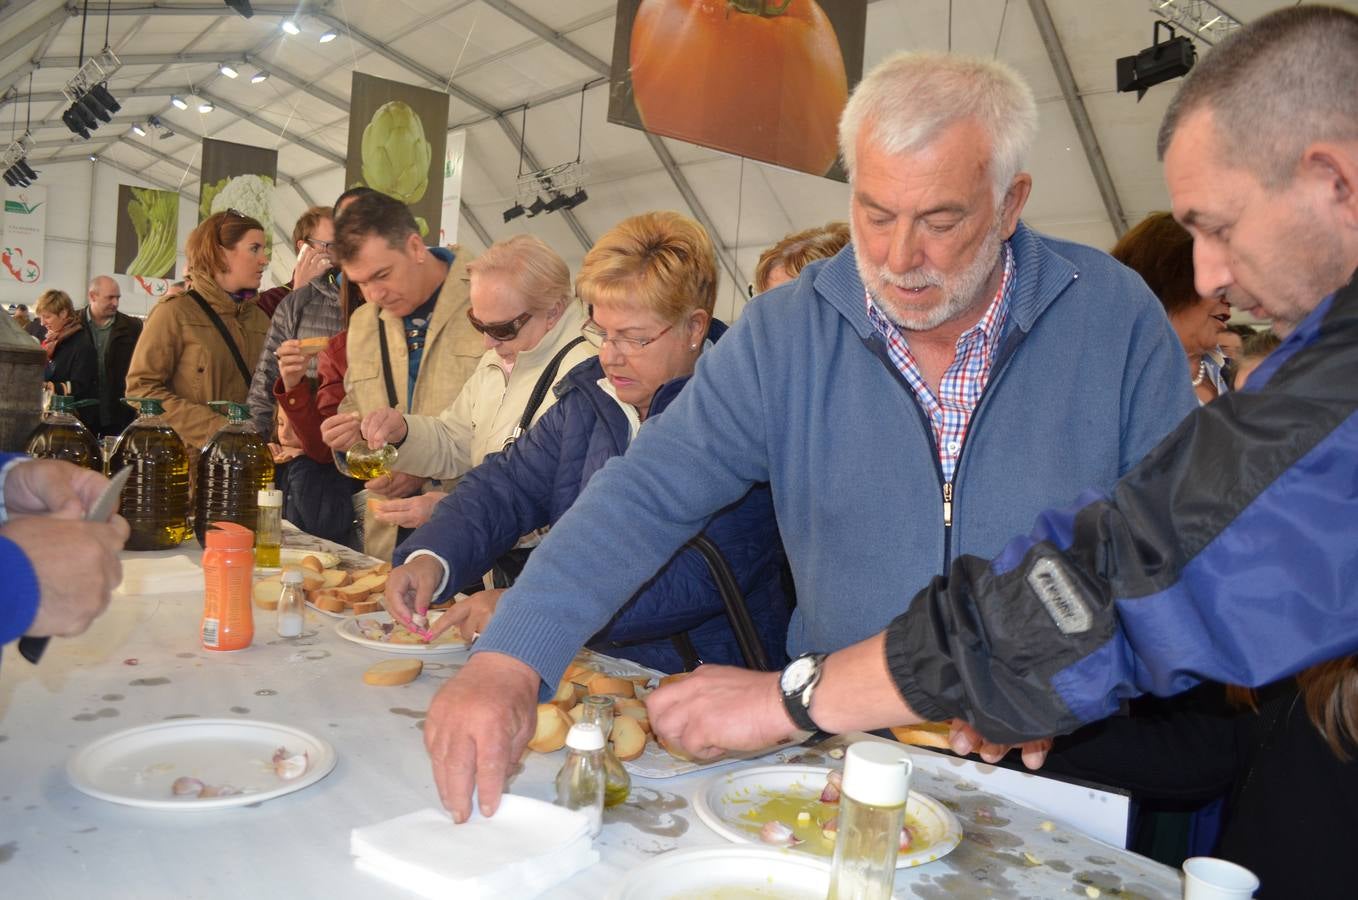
pixel 960 292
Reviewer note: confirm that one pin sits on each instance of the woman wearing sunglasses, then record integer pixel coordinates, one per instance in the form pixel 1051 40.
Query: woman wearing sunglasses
pixel 651 282
pixel 202 345
pixel 521 304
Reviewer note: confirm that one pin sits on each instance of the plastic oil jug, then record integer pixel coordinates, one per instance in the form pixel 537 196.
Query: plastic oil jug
pixel 155 500
pixel 60 435
pixel 232 469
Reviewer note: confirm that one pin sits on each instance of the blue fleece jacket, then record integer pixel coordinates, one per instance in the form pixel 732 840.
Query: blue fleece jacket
pixel 19 604
pixel 534 483
pixel 1088 377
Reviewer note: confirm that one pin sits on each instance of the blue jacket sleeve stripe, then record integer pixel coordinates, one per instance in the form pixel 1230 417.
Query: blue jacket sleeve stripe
pixel 22 592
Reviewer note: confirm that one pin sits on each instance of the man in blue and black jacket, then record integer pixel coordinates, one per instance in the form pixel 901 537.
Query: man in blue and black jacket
pixel 1231 552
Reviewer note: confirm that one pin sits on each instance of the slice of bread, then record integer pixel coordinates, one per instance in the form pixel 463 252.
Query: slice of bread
pixel 391 672
pixel 926 734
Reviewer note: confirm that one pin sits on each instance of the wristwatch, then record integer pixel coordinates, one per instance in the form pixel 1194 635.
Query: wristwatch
pixel 797 684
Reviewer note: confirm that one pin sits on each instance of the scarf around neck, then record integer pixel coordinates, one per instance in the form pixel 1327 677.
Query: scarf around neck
pixel 52 340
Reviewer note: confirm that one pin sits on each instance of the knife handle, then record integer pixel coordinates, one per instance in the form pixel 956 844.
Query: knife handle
pixel 31 648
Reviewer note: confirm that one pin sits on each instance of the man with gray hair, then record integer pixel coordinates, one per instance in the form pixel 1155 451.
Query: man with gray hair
pixel 114 335
pixel 1228 553
pixel 922 394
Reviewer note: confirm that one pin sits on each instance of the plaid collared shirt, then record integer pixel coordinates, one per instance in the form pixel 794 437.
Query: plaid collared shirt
pixel 959 391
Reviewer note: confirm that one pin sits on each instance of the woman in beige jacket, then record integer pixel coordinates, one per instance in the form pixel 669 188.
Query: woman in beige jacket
pixel 183 358
pixel 521 303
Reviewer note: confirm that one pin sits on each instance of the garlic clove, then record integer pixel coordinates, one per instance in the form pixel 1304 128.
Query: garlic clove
pixel 289 767
pixel 829 829
pixel 907 837
pixel 779 834
pixel 187 787
pixel 833 784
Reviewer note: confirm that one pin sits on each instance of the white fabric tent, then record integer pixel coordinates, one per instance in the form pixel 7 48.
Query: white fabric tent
pixel 1094 163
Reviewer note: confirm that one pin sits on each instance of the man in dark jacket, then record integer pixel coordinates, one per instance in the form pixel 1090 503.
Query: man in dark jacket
pixel 1228 553
pixel 114 335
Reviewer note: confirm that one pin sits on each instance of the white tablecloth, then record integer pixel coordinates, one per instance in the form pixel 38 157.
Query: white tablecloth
pixel 141 663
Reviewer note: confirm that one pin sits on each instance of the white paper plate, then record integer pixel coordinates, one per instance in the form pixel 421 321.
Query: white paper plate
pixel 350 630
pixel 753 872
pixel 722 802
pixel 136 767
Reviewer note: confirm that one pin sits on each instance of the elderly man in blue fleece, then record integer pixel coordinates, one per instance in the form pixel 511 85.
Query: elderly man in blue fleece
pixel 923 394
pixel 1229 554
pixel 59 570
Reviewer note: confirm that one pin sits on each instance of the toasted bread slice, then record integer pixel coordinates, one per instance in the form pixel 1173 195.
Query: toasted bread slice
pixel 926 734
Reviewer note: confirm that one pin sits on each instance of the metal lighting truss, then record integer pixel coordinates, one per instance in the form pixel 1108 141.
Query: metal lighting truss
pixel 1202 20
pixel 96 70
pixel 16 152
pixel 550 189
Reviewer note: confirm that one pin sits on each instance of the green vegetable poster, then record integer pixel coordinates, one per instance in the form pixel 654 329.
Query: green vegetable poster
pixel 239 177
pixel 397 137
pixel 148 232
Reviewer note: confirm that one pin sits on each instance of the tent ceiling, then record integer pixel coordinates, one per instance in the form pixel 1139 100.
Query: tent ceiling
pixel 495 56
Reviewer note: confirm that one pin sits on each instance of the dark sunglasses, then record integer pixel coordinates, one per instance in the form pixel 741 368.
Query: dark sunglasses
pixel 500 331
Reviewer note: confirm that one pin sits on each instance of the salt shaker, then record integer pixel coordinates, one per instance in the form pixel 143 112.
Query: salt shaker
pixel 580 783
pixel 291 605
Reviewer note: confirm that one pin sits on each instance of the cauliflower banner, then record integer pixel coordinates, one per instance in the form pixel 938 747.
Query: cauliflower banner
pixel 239 177
pixel 397 137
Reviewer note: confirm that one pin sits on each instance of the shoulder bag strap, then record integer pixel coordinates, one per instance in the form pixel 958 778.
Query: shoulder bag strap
pixel 226 336
pixel 544 384
pixel 386 362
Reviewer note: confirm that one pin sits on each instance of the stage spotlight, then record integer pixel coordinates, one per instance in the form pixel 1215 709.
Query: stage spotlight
pixel 179 103
pixel 291 27
pixel 259 77
pixel 74 123
pixel 206 106
pixel 26 170
pixel 100 93
pixel 241 6
pixel 138 131
pixel 328 36
pixel 91 111
pixel 537 207
pixel 514 212
pixel 558 201
pixel 10 179
pixel 1158 63
pixel 82 112
pixel 228 71
pixel 577 198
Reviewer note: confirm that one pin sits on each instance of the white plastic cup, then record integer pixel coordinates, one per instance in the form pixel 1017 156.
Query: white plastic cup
pixel 1209 878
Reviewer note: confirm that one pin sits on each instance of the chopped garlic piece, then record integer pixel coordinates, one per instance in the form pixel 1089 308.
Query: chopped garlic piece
pixel 1047 826
pixel 1032 860
pixel 1092 891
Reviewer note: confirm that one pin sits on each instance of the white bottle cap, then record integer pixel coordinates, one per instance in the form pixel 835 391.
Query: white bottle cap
pixel 585 736
pixel 292 576
pixel 877 773
pixel 270 497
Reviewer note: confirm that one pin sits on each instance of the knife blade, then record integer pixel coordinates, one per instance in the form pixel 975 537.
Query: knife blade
pixel 31 648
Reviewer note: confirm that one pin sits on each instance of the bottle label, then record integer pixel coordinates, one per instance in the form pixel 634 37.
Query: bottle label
pixel 210 627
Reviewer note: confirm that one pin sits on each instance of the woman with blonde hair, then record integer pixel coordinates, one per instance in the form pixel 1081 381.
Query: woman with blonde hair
pixel 521 304
pixel 650 284
pixel 785 260
pixel 201 345
pixel 72 360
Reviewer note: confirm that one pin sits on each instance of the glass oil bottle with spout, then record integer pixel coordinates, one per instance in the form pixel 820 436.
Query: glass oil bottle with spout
pixel 598 708
pixel 232 469
pixel 60 435
pixel 155 500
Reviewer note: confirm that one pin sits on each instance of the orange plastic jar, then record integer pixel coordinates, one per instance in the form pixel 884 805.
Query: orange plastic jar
pixel 228 570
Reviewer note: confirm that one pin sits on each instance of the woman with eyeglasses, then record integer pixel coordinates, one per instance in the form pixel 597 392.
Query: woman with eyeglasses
pixel 521 304
pixel 202 345
pixel 651 283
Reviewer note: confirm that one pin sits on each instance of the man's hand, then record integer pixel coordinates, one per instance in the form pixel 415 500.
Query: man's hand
pixel 77 567
pixel 471 616
pixel 395 485
pixel 52 487
pixel 966 740
pixel 292 363
pixel 384 426
pixel 720 708
pixel 478 725
pixel 408 512
pixel 340 431
pixel 311 264
pixel 410 588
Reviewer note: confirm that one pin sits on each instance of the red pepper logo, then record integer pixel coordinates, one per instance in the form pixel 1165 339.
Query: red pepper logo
pixel 23 271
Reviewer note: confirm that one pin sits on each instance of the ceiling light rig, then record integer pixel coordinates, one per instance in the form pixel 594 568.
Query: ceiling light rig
pixel 91 102
pixel 553 189
pixel 14 162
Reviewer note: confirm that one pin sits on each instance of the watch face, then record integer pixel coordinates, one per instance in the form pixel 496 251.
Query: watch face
pixel 797 674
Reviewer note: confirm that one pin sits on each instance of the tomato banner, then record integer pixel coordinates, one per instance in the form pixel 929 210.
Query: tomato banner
pixel 25 234
pixel 764 79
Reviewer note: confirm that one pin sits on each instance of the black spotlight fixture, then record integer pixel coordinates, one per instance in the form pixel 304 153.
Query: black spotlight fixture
pixel 242 7
pixel 93 109
pixel 75 124
pixel 100 93
pixel 558 201
pixel 537 207
pixel 577 198
pixel 1158 63
pixel 514 212
pixel 26 170
pixel 10 179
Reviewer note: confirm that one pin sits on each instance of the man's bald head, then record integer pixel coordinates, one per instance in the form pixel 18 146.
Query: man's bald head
pixel 104 296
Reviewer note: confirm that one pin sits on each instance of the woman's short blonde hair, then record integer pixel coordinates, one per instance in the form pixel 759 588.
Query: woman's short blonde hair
pixel 662 261
pixel 54 302
pixel 793 252
pixel 537 272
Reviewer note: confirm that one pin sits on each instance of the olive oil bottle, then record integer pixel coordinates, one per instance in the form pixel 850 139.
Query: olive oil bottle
pixel 232 469
pixel 155 500
pixel 60 435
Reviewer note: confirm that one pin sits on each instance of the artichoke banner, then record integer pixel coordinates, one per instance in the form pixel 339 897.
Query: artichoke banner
pixel 397 137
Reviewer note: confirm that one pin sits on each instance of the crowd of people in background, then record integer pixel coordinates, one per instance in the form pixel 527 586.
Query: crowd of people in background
pixel 764 514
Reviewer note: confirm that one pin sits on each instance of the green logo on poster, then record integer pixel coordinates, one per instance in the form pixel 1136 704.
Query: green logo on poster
pixel 18 206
